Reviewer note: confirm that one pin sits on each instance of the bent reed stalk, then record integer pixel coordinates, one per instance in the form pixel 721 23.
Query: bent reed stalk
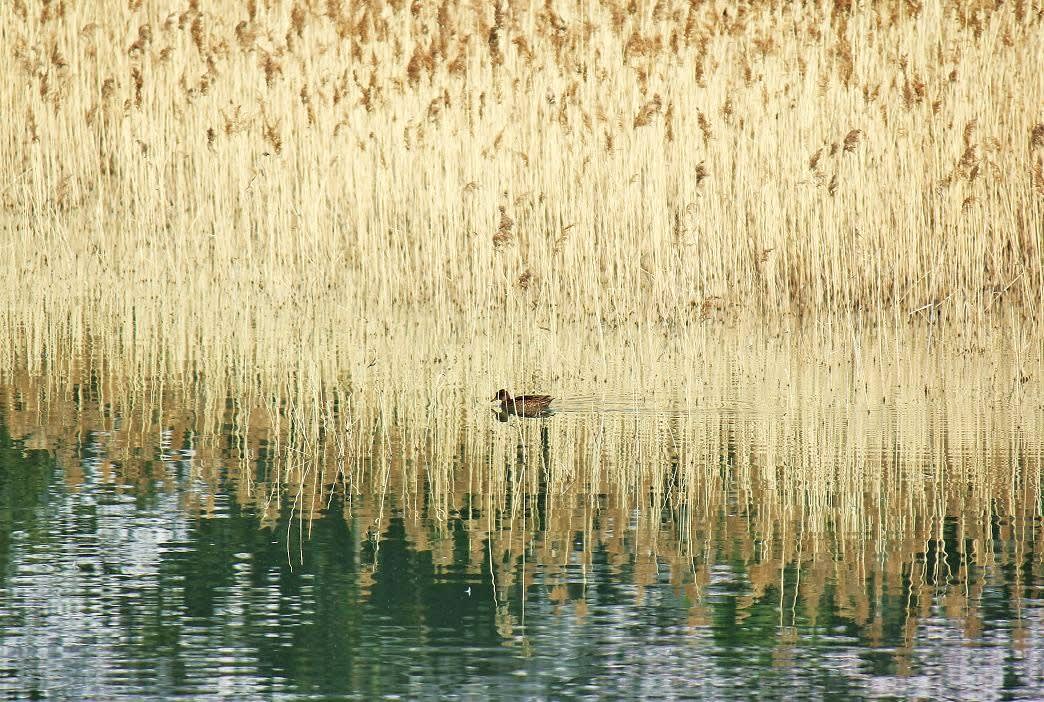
pixel 598 161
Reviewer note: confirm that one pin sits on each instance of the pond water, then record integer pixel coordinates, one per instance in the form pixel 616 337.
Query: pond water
pixel 754 547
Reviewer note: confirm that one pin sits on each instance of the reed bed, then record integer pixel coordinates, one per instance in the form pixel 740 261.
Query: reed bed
pixel 288 250
pixel 606 163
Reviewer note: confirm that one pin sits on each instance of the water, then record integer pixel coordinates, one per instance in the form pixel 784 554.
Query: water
pixel 743 549
pixel 110 592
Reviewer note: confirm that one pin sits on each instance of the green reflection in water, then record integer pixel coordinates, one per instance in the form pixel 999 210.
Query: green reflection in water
pixel 111 592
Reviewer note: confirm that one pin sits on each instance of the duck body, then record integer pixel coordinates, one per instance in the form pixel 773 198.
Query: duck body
pixel 524 405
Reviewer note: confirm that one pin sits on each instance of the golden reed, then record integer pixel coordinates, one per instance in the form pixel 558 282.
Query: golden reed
pixel 602 161
pixel 225 219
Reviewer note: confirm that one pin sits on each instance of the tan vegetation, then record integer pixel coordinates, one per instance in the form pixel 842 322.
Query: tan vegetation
pixel 602 161
pixel 296 246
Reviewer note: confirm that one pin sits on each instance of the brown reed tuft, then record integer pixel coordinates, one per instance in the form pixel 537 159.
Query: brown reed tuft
pixel 1037 136
pixel 649 110
pixel 503 234
pixel 852 140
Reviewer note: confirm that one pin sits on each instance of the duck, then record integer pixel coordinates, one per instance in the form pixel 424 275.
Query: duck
pixel 523 405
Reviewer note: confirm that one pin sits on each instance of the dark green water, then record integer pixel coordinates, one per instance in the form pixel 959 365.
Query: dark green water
pixel 117 592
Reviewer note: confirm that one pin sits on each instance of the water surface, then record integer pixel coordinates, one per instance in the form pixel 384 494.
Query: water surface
pixel 748 543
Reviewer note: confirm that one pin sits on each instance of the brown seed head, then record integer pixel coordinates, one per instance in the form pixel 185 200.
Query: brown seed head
pixel 1037 136
pixel 852 140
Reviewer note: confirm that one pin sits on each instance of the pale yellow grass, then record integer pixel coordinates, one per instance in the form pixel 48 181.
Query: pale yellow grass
pixel 309 240
pixel 221 162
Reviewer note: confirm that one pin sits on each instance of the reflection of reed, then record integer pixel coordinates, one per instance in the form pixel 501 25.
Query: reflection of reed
pixel 878 482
